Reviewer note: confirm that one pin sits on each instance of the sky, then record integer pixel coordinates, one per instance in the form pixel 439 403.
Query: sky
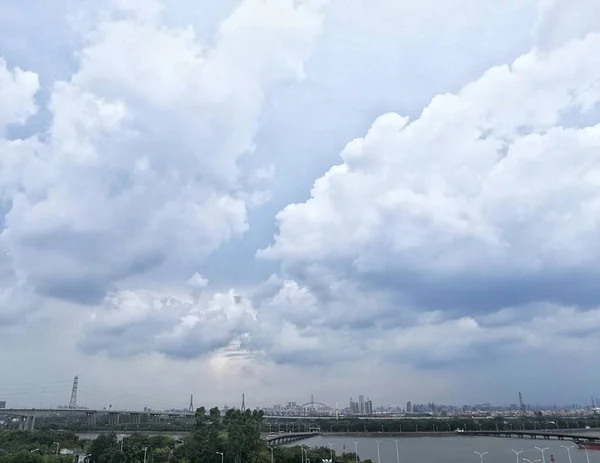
pixel 281 198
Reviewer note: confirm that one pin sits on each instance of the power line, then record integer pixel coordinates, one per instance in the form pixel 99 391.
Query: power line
pixel 125 393
pixel 30 384
pixel 62 387
pixel 130 398
pixel 56 391
pixel 25 389
pixel 111 392
pixel 30 390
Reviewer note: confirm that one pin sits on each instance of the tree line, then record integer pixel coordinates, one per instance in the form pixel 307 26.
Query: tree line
pixel 36 447
pixel 233 437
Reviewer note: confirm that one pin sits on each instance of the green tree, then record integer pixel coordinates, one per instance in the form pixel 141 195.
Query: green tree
pixel 24 456
pixel 236 435
pixel 101 450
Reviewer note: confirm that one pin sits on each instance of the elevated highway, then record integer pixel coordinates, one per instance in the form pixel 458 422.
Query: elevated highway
pixel 27 416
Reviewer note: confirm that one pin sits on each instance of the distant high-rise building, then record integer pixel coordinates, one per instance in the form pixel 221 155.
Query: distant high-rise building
pixel 409 407
pixel 353 407
pixel 368 407
pixel 361 404
pixel 2 403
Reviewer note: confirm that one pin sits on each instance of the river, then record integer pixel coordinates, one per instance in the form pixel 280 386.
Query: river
pixel 453 449
pixel 94 435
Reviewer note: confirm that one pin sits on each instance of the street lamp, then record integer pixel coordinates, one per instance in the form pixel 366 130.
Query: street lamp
pixel 145 449
pixel 517 453
pixel 355 451
pixel 330 451
pixel 587 456
pixel 529 461
pixel 543 450
pixel 271 449
pixel 568 448
pixel 220 453
pixel 304 455
pixel 57 446
pixel 397 453
pixel 378 456
pixel 481 455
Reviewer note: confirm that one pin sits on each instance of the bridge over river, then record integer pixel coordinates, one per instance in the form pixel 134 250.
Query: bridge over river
pixel 560 435
pixel 285 438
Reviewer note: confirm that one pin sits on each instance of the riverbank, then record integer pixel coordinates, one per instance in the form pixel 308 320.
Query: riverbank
pixel 441 433
pixel 391 434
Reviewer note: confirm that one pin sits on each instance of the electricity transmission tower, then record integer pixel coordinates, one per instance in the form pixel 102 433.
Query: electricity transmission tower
pixel 73 401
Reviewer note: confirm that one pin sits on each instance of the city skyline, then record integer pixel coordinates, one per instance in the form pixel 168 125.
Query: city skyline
pixel 265 197
pixel 79 398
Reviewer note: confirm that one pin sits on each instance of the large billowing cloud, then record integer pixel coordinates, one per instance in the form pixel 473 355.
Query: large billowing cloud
pixel 138 170
pixel 485 205
pixel 482 209
pixel 176 327
pixel 490 198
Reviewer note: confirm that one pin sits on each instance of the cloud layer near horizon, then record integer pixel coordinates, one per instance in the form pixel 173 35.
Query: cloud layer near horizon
pixel 461 234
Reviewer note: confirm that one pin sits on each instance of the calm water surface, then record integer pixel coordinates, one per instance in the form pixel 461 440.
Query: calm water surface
pixel 454 449
pixel 94 435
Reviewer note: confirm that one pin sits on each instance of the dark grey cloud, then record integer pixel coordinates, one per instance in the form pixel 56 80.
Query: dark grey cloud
pixel 460 294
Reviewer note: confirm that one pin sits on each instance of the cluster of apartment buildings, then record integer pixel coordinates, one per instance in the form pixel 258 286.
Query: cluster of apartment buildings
pixel 362 407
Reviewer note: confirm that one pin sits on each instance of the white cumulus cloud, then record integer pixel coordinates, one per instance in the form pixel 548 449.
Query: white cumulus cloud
pixel 478 206
pixel 498 180
pixel 17 91
pixel 138 322
pixel 139 167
